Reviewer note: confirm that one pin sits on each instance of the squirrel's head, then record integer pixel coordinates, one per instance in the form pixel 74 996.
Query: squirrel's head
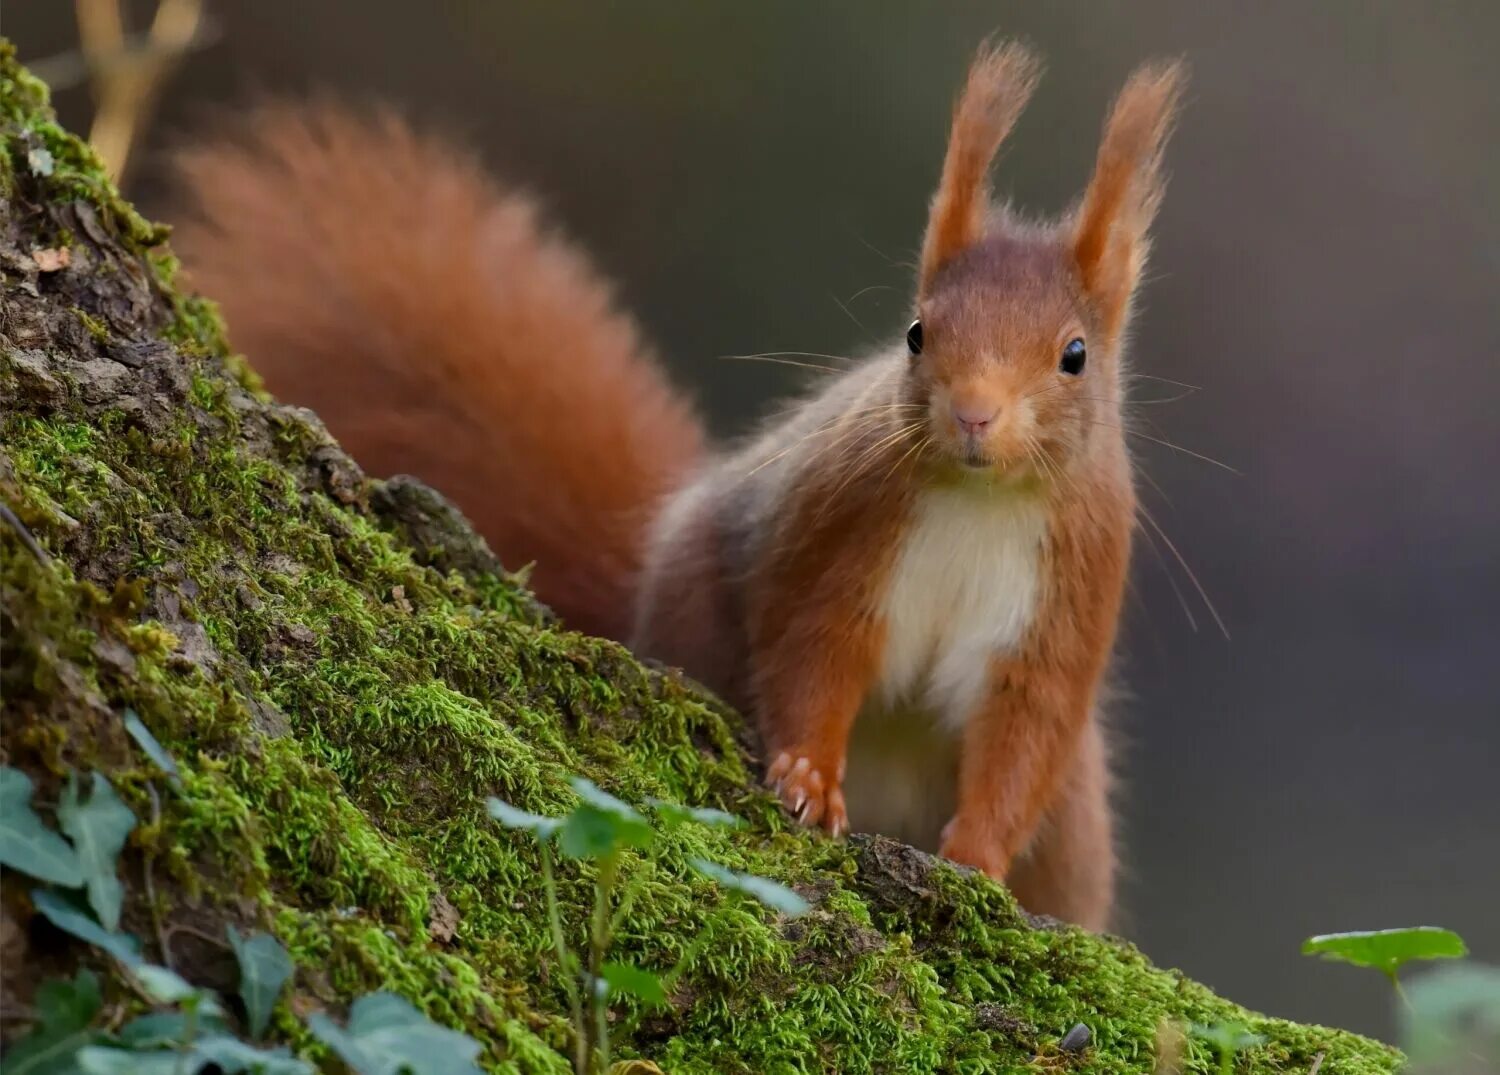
pixel 1015 347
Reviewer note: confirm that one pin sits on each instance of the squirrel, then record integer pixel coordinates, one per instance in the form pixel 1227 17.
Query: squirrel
pixel 912 581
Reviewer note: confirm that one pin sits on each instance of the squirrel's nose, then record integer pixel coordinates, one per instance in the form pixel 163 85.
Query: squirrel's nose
pixel 973 419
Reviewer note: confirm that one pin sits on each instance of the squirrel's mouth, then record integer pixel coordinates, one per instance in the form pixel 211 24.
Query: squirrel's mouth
pixel 980 464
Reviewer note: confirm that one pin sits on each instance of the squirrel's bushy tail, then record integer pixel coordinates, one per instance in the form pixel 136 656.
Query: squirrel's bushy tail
pixel 381 278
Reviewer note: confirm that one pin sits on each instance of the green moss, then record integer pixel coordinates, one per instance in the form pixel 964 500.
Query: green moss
pixel 340 711
pixel 97 328
pixel 76 170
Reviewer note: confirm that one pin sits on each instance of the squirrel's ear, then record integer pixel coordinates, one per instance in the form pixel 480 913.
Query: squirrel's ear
pixel 1109 233
pixel 1000 81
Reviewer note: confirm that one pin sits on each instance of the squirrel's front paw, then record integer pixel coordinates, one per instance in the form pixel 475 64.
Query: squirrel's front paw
pixel 971 845
pixel 810 791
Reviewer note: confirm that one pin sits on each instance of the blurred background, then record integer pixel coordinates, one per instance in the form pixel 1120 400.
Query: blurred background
pixel 755 176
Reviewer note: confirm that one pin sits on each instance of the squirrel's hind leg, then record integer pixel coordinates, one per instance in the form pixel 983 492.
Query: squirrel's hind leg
pixel 1068 871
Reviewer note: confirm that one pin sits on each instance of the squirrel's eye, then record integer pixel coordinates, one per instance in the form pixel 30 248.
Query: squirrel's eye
pixel 914 338
pixel 1073 357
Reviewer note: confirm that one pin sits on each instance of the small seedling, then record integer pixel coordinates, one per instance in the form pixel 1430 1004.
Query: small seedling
pixel 1387 950
pixel 600 829
pixel 1228 1040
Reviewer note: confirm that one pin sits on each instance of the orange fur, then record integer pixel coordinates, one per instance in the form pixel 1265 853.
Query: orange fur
pixel 1023 750
pixel 1069 869
pixel 380 278
pixel 1110 237
pixel 803 574
pixel 1001 80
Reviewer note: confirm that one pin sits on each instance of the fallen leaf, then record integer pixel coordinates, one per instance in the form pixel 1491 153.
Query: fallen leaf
pixel 52 259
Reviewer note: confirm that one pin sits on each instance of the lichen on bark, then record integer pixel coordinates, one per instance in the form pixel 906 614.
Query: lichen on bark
pixel 343 673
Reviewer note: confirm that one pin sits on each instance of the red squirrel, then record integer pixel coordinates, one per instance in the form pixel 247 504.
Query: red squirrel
pixel 912 580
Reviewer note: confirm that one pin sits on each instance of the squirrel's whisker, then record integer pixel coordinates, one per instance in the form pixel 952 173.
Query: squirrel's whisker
pixel 1166 567
pixel 1192 576
pixel 1167 444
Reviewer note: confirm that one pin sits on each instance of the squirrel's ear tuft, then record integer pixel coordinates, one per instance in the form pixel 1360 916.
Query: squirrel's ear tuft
pixel 1109 233
pixel 1000 82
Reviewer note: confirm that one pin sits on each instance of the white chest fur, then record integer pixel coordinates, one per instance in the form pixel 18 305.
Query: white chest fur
pixel 963 589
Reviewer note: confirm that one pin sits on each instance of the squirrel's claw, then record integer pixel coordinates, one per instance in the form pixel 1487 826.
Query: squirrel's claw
pixel 808 791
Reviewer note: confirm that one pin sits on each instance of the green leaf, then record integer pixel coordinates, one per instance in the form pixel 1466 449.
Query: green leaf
pixel 512 818
pixel 591 833
pixel 166 986
pixel 96 1060
pixel 64 1011
pixel 386 1035
pixel 231 1056
pixel 601 825
pixel 775 896
pixel 1227 1038
pixel 74 1002
pixel 155 1029
pixel 591 793
pixel 63 914
pixel 25 843
pixel 643 985
pixel 154 750
pixel 264 969
pixel 1387 949
pixel 675 815
pixel 98 827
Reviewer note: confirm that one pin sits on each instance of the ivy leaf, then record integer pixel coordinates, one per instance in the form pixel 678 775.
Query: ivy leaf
pixel 264 969
pixel 513 818
pixel 641 984
pixel 63 914
pixel 775 896
pixel 155 1029
pixel 386 1035
pixel 675 815
pixel 166 986
pixel 97 1060
pixel 25 843
pixel 1386 950
pixel 64 1011
pixel 231 1056
pixel 98 827
pixel 154 750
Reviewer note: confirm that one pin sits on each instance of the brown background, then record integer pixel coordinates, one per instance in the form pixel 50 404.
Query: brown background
pixel 1326 271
